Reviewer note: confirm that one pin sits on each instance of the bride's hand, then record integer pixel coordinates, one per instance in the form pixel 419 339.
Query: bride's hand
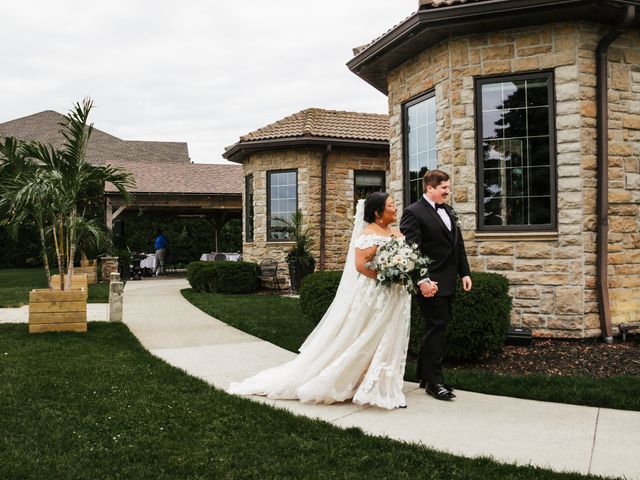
pixel 428 288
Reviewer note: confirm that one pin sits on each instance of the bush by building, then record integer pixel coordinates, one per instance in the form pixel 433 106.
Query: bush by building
pixel 223 277
pixel 478 324
pixel 317 292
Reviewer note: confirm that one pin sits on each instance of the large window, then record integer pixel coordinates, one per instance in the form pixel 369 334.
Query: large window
pixel 420 143
pixel 366 182
pixel 282 199
pixel 515 145
pixel 248 208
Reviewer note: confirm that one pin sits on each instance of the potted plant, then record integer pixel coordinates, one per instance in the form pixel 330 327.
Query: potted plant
pixel 299 258
pixel 54 187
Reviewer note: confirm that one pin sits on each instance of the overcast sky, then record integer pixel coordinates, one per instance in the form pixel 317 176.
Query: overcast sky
pixel 203 72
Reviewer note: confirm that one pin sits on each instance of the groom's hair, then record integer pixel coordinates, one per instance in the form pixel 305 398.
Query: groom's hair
pixel 434 178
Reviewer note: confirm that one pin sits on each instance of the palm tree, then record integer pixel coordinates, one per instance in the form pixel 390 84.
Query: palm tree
pixel 16 171
pixel 64 181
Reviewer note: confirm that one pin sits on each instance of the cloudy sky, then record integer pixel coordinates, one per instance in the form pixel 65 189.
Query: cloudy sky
pixel 200 71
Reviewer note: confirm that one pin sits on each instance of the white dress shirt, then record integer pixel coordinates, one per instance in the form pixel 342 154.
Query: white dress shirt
pixel 440 211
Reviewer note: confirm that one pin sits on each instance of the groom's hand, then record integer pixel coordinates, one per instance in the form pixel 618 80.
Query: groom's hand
pixel 428 288
pixel 466 283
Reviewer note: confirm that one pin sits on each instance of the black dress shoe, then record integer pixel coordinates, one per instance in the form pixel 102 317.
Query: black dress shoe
pixel 451 388
pixel 438 392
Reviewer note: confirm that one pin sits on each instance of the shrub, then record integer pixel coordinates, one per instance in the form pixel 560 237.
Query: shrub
pixel 317 293
pixel 223 277
pixel 479 320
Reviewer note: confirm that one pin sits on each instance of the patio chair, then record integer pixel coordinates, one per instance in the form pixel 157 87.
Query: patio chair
pixel 269 271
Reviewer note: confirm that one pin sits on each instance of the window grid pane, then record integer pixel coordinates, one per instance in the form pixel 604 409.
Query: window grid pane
pixel 516 161
pixel 249 208
pixel 421 143
pixel 282 202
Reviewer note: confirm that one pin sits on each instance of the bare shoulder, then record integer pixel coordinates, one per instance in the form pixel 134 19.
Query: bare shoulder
pixel 368 229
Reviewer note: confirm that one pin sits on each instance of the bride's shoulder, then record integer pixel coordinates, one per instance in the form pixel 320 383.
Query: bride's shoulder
pixel 368 238
pixel 396 232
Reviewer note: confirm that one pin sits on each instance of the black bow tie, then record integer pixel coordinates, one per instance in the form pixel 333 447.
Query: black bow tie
pixel 439 205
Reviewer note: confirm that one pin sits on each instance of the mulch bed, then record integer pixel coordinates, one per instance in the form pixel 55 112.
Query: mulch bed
pixel 568 357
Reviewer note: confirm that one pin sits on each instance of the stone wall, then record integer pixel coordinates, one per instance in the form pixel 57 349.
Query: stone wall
pixel 552 275
pixel 341 164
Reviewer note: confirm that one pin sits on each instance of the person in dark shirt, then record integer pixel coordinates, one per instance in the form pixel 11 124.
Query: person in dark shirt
pixel 161 244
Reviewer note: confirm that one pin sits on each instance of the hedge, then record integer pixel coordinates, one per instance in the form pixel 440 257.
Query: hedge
pixel 479 320
pixel 223 277
pixel 317 292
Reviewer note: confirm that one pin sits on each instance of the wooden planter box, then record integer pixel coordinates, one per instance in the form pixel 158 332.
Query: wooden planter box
pixel 90 271
pixel 79 281
pixel 59 311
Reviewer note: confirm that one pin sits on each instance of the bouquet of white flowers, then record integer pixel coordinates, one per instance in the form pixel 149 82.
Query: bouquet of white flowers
pixel 399 262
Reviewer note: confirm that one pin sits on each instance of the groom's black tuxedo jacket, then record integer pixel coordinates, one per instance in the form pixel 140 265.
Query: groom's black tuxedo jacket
pixel 421 224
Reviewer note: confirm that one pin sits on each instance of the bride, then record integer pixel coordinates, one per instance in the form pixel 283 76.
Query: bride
pixel 358 350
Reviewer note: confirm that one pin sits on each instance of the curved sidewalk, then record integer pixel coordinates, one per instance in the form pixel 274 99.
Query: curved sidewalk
pixel 556 436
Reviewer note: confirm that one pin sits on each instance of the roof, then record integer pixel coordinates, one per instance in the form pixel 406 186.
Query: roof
pixel 316 125
pixel 437 20
pixel 187 178
pixel 425 4
pixel 103 148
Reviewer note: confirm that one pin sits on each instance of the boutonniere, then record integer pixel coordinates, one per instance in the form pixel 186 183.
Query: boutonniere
pixel 455 217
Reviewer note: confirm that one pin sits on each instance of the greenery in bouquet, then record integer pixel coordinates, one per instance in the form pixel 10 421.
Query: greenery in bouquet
pixel 398 262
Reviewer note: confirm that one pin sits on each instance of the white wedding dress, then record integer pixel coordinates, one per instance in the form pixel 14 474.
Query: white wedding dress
pixel 358 350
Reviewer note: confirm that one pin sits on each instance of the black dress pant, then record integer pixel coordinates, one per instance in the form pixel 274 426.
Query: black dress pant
pixel 436 312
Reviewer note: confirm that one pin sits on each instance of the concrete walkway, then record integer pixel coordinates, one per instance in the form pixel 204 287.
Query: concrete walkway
pixel 550 435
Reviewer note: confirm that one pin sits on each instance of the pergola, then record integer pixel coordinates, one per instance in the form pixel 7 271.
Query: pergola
pixel 208 191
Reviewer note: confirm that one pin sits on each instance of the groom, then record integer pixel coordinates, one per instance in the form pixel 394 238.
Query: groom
pixel 430 224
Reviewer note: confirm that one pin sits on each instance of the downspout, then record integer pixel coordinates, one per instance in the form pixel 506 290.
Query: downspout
pixel 602 206
pixel 323 203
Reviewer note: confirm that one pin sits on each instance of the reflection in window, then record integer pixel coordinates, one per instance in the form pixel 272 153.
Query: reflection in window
pixel 420 141
pixel 367 182
pixel 516 152
pixel 248 212
pixel 282 199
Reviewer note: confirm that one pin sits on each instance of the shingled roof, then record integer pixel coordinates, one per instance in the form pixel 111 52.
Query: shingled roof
pixel 315 125
pixel 193 178
pixel 317 122
pixel 425 4
pixel 103 148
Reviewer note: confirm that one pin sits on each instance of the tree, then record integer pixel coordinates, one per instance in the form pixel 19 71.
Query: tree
pixel 59 185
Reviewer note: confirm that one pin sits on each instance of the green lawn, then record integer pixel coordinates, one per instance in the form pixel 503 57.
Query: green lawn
pixel 280 321
pixel 99 406
pixel 15 284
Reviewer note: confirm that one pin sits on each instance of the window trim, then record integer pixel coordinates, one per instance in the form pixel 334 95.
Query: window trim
pixel 380 173
pixel 248 181
pixel 553 164
pixel 405 139
pixel 269 173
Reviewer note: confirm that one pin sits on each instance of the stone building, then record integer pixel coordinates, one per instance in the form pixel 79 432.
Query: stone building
pixel 533 107
pixel 318 161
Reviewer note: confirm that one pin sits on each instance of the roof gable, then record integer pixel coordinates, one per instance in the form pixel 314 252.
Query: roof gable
pixel 103 148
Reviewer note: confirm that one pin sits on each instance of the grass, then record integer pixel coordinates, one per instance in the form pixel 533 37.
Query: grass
pixel 15 284
pixel 280 321
pixel 97 405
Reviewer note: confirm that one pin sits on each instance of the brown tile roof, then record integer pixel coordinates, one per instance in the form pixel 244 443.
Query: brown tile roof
pixel 316 122
pixel 103 148
pixel 153 177
pixel 425 4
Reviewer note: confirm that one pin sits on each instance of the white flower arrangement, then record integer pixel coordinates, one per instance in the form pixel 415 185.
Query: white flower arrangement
pixel 398 262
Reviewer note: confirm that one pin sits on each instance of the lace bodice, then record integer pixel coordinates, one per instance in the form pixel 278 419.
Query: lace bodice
pixel 368 240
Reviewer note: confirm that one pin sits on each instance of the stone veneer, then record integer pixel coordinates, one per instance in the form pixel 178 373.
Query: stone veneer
pixel 341 164
pixel 552 278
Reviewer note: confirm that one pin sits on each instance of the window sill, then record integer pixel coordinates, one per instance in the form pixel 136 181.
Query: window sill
pixel 517 236
pixel 285 243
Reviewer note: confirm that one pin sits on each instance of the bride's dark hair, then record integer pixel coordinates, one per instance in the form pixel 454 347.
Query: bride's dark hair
pixel 374 204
